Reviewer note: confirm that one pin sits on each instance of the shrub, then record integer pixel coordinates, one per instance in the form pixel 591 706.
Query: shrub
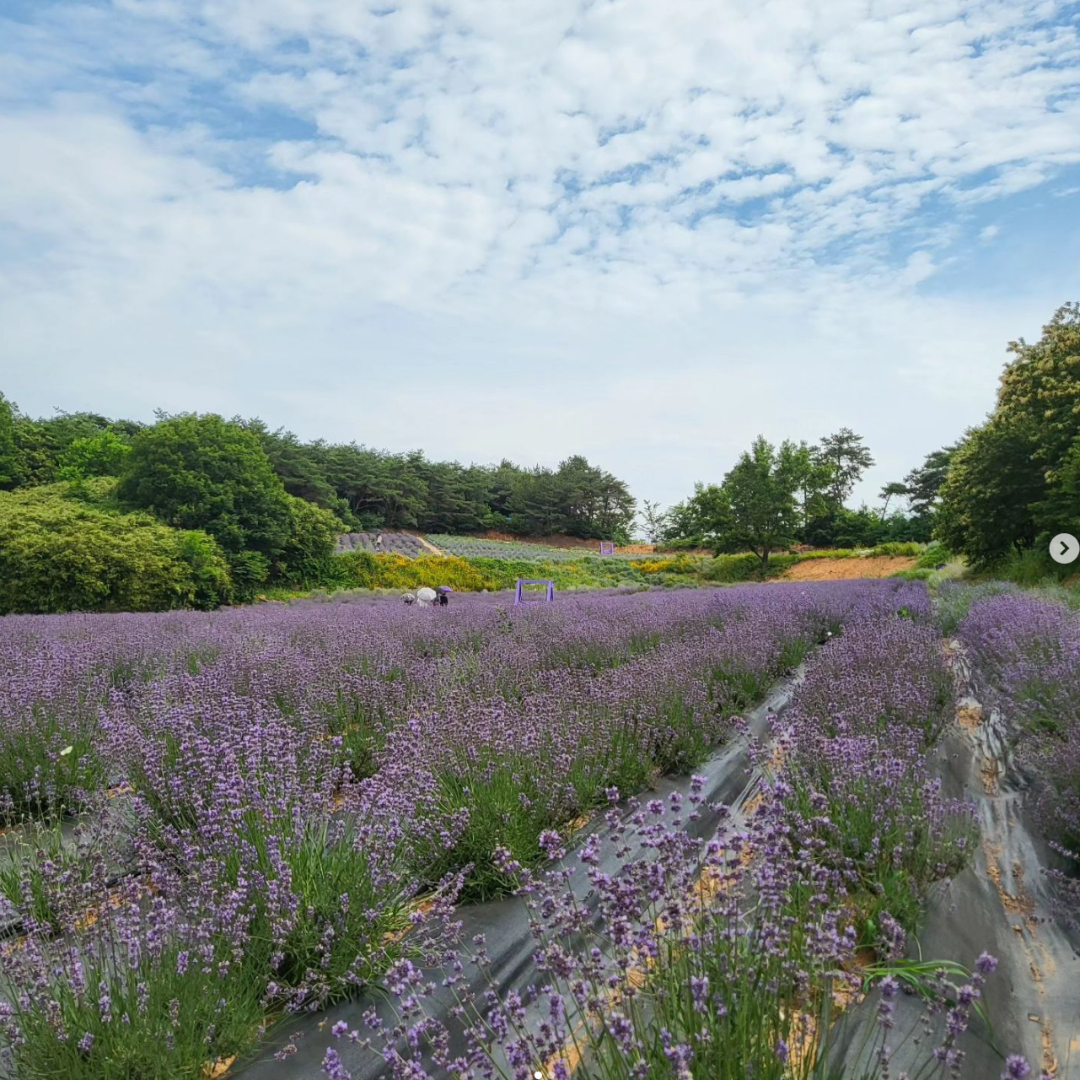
pixel 249 570
pixel 202 472
pixel 308 555
pixel 746 567
pixel 900 547
pixel 60 554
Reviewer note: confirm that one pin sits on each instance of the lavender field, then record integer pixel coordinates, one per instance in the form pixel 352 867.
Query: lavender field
pixel 217 825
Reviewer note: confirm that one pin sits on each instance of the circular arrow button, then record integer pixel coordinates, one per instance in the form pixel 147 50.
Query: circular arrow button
pixel 1064 548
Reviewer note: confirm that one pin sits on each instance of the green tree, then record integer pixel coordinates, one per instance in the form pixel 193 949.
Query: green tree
pixel 102 454
pixel 59 554
pixel 654 521
pixel 814 477
pixel 1040 388
pixel 888 493
pixel 988 496
pixel 760 496
pixel 7 443
pixel 203 472
pixel 847 459
pixel 307 556
pixel 924 483
pixel 301 472
pixel 702 519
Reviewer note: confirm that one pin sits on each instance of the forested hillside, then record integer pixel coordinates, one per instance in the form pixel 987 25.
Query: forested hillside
pixel 196 510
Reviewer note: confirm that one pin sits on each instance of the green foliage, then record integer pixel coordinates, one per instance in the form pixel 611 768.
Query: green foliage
pixel 1040 389
pixel 372 489
pixel 249 571
pixel 933 556
pixel 924 483
pixel 700 518
pixel 209 583
pixel 202 472
pixel 1032 568
pixel 102 454
pixel 726 569
pixel 987 497
pixel 59 553
pixel 7 443
pixel 758 509
pixel 1015 481
pixel 846 460
pixel 308 554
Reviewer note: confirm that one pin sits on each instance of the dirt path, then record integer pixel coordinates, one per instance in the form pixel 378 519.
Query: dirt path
pixel 871 566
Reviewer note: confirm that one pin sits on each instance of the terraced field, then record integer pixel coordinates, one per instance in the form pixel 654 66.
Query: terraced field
pixel 471 547
pixel 393 543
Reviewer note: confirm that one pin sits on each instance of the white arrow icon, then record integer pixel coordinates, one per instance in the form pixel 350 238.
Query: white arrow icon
pixel 1064 548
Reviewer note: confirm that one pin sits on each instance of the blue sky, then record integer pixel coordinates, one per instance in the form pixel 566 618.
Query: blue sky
pixel 644 232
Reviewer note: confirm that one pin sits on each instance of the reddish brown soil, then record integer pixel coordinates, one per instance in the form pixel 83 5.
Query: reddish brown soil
pixel 873 566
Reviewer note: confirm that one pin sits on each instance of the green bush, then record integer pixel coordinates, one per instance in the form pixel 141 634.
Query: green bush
pixel 203 472
pixel 934 555
pixel 59 553
pixel 308 555
pixel 900 547
pixel 1032 567
pixel 249 571
pixel 725 569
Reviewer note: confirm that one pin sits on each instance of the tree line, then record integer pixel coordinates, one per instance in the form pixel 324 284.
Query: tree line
pixel 796 493
pixel 1013 482
pixel 363 488
pixel 996 495
pixel 88 498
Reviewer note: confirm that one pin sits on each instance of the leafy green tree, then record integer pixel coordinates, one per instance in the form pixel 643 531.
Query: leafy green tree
pixel 1011 482
pixel 102 454
pixel 760 496
pixel 988 496
pixel 924 483
pixel 847 459
pixel 62 554
pixel 202 472
pixel 1039 399
pixel 1040 389
pixel 308 553
pixel 301 472
pixel 702 519
pixel 36 461
pixel 888 493
pixel 654 521
pixel 814 477
pixel 7 443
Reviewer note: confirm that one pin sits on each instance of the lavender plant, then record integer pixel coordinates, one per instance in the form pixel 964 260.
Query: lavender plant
pixel 294 777
pixel 1028 647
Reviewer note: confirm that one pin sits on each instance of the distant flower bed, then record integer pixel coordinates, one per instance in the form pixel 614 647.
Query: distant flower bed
pixel 468 546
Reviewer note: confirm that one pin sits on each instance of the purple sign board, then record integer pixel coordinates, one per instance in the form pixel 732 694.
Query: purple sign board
pixel 532 596
pixel 607 547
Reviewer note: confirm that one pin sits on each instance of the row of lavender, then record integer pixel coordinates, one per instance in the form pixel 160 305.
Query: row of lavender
pixel 262 794
pixel 730 956
pixel 1027 645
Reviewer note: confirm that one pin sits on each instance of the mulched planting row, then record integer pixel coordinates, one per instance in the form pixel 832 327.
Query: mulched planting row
pixel 300 775
pixel 319 794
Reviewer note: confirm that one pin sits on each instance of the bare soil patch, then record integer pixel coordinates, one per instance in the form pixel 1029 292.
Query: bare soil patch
pixel 870 566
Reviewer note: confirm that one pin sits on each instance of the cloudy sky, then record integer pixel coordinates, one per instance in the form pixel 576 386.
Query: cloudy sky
pixel 642 230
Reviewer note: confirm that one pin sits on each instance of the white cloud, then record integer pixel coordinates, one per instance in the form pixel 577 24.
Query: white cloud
pixel 679 224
